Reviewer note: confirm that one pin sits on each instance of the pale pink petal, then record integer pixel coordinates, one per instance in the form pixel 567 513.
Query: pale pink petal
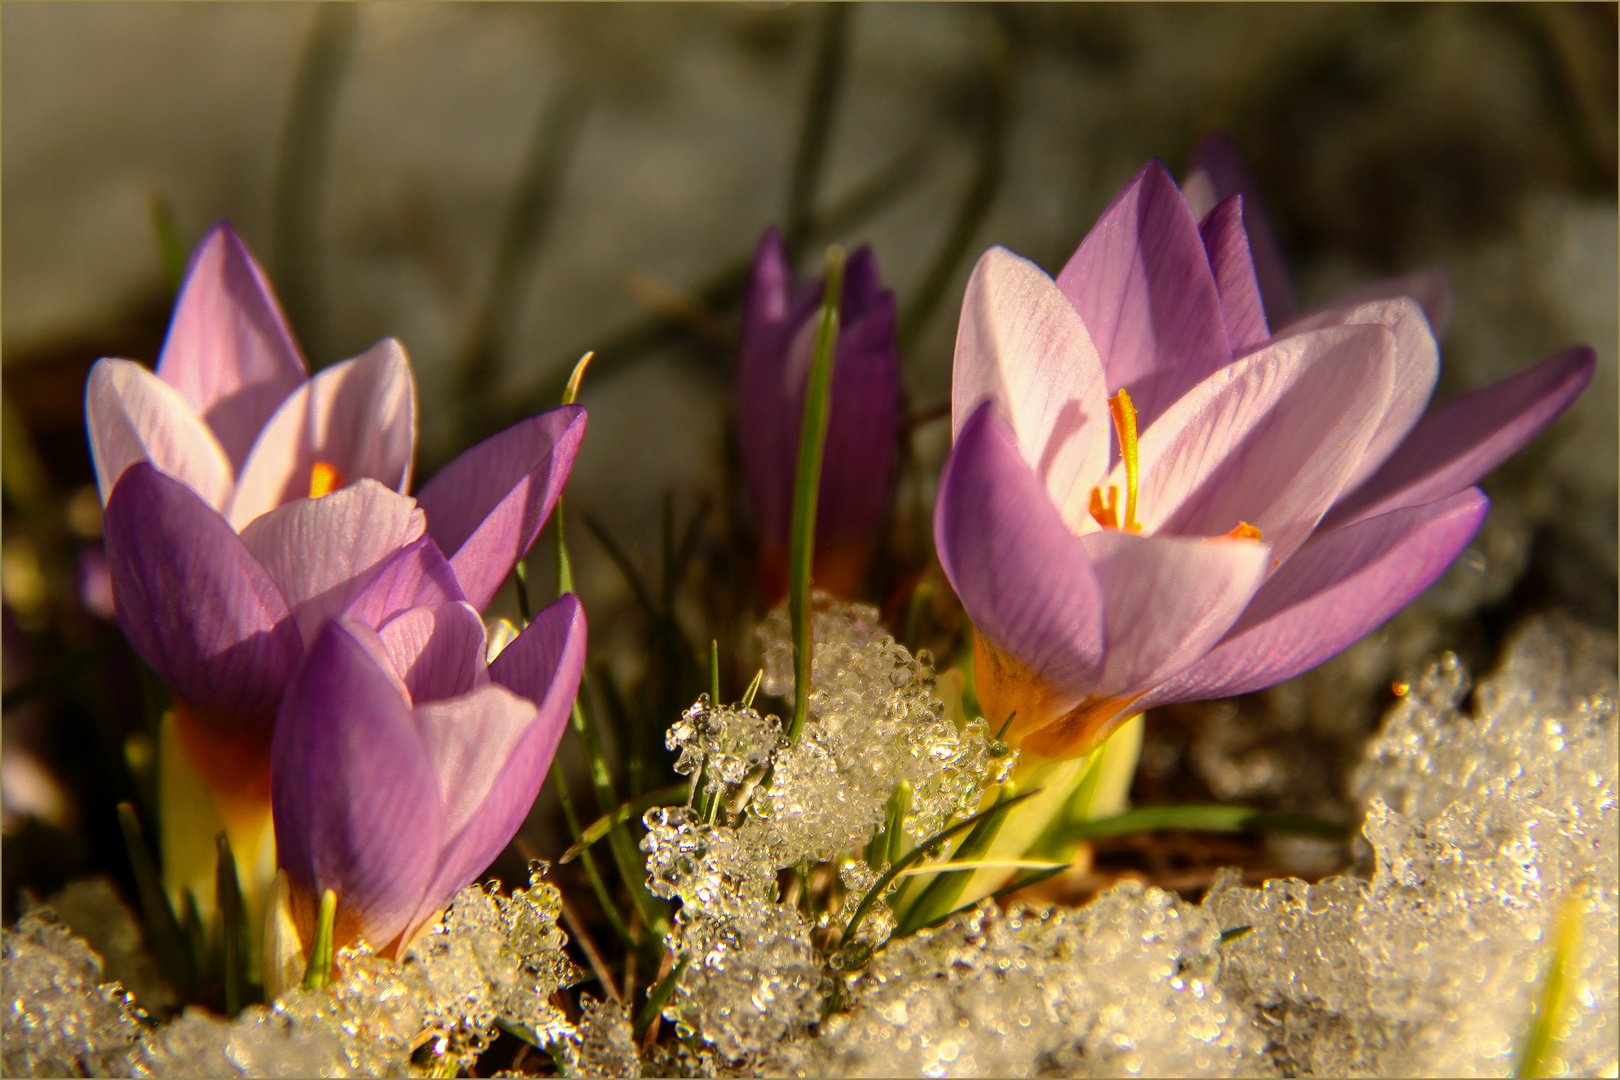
pixel 1227 243
pixel 1024 579
pixel 359 417
pixel 1268 440
pixel 1335 590
pixel 1021 345
pixel 438 650
pixel 1166 601
pixel 132 415
pixel 1417 367
pixel 417 576
pixel 1142 283
pixel 323 552
pixel 1220 173
pixel 229 352
pixel 1460 441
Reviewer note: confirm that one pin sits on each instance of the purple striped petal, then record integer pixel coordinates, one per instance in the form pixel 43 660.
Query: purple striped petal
pixel 491 752
pixel 354 794
pixel 1023 578
pixel 1456 443
pixel 132 415
pixel 417 576
pixel 1269 440
pixel 486 507
pixel 863 428
pixel 1227 244
pixel 438 651
pixel 1166 601
pixel 1339 587
pixel 1021 345
pixel 229 352
pixel 323 552
pixel 1417 368
pixel 1142 283
pixel 545 661
pixel 359 417
pixel 194 603
pixel 1220 173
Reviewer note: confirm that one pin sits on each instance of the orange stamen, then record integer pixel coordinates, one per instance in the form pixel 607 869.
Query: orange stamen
pixel 323 480
pixel 1242 531
pixel 1106 516
pixel 1124 414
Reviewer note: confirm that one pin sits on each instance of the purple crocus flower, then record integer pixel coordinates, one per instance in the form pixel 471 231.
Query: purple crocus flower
pixel 246 505
pixel 1283 493
pixel 403 765
pixel 863 427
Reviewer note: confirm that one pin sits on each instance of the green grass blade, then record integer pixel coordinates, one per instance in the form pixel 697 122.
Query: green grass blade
pixel 658 997
pixel 917 854
pixel 807 486
pixel 753 689
pixel 598 885
pixel 1199 818
pixel 162 928
pixel 940 895
pixel 634 808
pixel 1538 1053
pixel 228 902
pixel 1033 878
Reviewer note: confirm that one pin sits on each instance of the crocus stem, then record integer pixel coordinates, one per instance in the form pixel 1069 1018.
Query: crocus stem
pixel 319 972
pixel 807 486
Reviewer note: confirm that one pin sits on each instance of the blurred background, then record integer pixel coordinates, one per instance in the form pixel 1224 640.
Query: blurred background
pixel 503 187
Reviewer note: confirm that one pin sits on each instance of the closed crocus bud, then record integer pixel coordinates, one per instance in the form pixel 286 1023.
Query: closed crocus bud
pixel 778 338
pixel 1152 497
pixel 403 765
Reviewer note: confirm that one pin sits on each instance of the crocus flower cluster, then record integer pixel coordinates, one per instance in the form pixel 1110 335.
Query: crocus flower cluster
pixel 1152 497
pixel 257 526
pixel 863 426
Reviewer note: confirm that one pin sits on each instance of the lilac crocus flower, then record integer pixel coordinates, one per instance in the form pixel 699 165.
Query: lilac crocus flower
pixel 1284 493
pixel 403 765
pixel 863 427
pixel 246 505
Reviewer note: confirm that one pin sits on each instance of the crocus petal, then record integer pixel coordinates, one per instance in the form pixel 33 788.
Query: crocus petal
pixel 359 417
pixel 323 552
pixel 132 415
pixel 1220 173
pixel 1020 344
pixel 1417 367
pixel 1337 588
pixel 354 792
pixel 416 576
pixel 194 602
pixel 863 428
pixel 863 286
pixel 486 507
pixel 1166 601
pixel 1024 578
pixel 489 753
pixel 438 651
pixel 1268 440
pixel 229 352
pixel 1142 283
pixel 1468 436
pixel 544 662
pixel 1227 244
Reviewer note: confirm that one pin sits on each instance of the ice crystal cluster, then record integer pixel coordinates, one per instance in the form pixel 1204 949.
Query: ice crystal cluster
pixel 1486 815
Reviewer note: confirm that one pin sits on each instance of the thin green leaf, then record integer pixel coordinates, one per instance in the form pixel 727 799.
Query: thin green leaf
pixel 807 486
pixel 598 886
pixel 632 809
pixel 658 997
pixel 162 928
pixel 1024 882
pixel 1538 1055
pixel 753 689
pixel 319 972
pixel 1198 818
pixel 228 901
pixel 941 893
pixel 917 853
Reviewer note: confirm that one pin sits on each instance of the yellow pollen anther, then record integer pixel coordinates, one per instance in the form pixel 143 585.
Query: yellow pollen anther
pixel 1243 531
pixel 323 480
pixel 1124 414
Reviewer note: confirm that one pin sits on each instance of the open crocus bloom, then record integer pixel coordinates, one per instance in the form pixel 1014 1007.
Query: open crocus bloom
pixel 403 765
pixel 246 505
pixel 863 425
pixel 1152 498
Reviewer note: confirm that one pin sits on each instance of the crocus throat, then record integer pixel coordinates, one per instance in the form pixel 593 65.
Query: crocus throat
pixel 323 479
pixel 1124 414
